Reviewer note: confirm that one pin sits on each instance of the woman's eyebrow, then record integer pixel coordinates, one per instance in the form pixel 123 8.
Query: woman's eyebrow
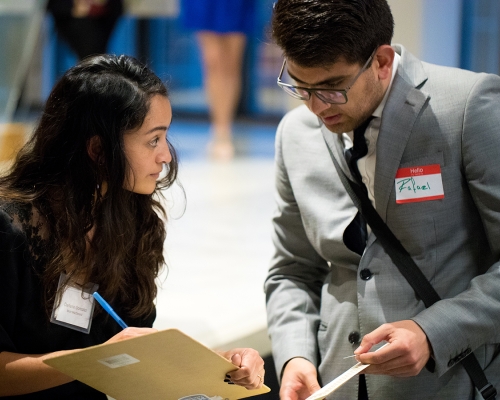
pixel 157 128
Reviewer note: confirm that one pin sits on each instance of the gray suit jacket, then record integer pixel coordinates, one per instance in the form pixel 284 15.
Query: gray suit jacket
pixel 315 296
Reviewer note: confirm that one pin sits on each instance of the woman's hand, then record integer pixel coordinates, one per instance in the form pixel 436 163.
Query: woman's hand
pixel 251 372
pixel 27 373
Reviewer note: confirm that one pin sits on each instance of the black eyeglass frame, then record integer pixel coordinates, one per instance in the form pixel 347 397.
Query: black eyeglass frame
pixel 290 89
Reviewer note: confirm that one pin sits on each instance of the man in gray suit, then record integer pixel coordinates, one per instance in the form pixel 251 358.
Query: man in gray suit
pixel 431 171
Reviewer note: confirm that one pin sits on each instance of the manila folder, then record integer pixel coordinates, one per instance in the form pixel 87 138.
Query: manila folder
pixel 164 365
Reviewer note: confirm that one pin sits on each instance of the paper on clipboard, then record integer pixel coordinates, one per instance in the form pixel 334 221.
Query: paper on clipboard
pixel 166 364
pixel 340 380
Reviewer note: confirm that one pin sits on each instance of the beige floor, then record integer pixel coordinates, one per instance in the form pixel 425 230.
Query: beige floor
pixel 218 250
pixel 12 137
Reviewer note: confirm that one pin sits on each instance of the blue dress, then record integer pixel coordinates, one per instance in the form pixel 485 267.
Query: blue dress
pixel 221 16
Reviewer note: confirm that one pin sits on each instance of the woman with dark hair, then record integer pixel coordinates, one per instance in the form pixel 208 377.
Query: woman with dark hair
pixel 80 209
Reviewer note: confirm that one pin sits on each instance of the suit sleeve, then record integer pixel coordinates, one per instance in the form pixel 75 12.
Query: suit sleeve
pixel 471 319
pixel 293 286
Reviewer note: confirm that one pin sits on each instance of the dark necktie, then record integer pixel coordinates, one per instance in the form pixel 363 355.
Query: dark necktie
pixel 356 234
pixel 358 150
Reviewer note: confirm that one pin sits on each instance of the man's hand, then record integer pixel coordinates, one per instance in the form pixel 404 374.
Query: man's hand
pixel 300 380
pixel 406 355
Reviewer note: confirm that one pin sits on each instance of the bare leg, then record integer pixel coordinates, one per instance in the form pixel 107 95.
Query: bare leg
pixel 222 60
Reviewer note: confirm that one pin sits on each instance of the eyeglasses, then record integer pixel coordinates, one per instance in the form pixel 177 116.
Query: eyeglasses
pixel 325 95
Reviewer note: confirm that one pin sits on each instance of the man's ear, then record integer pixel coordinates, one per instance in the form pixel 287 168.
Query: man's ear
pixel 94 148
pixel 383 60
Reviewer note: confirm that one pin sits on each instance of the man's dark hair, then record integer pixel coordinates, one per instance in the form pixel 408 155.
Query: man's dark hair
pixel 315 33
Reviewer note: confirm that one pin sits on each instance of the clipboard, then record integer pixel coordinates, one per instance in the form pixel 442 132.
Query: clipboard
pixel 166 365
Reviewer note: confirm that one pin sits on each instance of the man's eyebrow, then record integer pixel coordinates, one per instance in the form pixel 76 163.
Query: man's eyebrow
pixel 330 81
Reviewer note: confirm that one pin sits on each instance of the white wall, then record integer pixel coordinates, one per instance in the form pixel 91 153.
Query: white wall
pixel 408 24
pixel 152 8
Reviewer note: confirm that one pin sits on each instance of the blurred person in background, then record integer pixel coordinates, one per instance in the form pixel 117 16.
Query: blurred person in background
pixel 222 28
pixel 85 25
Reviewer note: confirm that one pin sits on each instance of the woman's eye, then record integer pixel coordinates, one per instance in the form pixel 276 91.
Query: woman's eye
pixel 154 142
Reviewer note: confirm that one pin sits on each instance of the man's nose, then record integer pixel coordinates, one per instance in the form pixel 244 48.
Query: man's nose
pixel 316 105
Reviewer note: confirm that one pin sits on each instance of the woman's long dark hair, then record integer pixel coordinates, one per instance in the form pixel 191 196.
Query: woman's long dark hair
pixel 114 240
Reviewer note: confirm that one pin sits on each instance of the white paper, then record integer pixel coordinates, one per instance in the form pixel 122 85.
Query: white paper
pixel 340 380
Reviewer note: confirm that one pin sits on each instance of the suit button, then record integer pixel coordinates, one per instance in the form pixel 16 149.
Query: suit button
pixel 451 363
pixel 354 337
pixel 365 274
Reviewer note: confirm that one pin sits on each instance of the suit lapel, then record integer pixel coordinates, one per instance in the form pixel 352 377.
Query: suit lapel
pixel 401 111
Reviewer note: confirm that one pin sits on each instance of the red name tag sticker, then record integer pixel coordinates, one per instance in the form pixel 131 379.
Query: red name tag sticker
pixel 421 183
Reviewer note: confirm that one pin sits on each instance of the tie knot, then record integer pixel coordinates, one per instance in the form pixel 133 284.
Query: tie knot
pixel 360 130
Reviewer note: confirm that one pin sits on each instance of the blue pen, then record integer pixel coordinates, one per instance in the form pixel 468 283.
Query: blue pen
pixel 104 304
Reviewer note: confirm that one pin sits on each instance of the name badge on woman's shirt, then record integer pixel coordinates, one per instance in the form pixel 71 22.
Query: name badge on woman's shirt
pixel 74 308
pixel 421 183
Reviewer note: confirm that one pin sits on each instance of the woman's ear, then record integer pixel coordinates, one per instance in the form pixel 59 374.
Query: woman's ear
pixel 94 148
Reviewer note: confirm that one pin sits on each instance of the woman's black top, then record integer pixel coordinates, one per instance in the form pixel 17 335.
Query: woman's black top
pixel 24 325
